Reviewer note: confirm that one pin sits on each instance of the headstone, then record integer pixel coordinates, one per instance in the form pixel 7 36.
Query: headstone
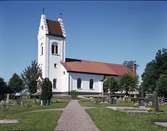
pixel 141 100
pixel 7 99
pixel 141 103
pixel 41 102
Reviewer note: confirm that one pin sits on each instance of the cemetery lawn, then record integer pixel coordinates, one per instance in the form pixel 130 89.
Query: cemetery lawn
pixel 88 103
pixel 164 108
pixel 109 120
pixel 45 120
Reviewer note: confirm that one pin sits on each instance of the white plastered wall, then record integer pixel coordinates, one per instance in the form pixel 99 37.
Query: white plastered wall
pixel 97 86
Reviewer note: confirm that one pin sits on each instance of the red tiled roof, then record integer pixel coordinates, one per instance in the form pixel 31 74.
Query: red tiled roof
pixel 84 66
pixel 54 28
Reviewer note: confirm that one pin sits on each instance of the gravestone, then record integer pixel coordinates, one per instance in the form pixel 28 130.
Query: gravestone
pixel 7 99
pixel 141 100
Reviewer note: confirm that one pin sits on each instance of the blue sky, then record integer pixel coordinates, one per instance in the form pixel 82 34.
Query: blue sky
pixel 102 31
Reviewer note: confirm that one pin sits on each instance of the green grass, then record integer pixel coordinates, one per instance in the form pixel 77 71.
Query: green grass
pixel 125 103
pixel 163 108
pixel 109 120
pixel 42 121
pixel 89 103
pixel 33 121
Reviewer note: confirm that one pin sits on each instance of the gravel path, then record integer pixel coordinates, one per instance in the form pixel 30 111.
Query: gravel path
pixel 75 118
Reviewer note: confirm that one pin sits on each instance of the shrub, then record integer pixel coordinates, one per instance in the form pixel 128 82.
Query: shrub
pixel 46 93
pixel 74 94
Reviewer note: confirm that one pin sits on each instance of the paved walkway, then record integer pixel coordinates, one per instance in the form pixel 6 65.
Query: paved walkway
pixel 75 118
pixel 57 109
pixel 162 124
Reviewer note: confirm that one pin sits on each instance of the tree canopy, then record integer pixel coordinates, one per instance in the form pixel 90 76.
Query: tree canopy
pixel 30 76
pixel 154 70
pixel 15 83
pixel 128 83
pixel 3 88
pixel 111 84
pixel 46 93
pixel 162 85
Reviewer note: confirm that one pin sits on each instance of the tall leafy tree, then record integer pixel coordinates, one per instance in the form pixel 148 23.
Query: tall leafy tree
pixel 149 77
pixel 153 72
pixel 162 86
pixel 111 84
pixel 30 76
pixel 15 83
pixel 46 93
pixel 3 88
pixel 128 83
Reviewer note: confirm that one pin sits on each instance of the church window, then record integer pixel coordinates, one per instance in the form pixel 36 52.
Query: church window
pixel 54 49
pixel 42 27
pixel 41 50
pixel 91 84
pixel 55 65
pixel 54 83
pixel 79 83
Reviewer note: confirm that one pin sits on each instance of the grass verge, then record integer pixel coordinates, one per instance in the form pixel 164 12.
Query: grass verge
pixel 109 120
pixel 32 121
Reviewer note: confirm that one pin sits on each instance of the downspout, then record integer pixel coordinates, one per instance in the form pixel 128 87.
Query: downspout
pixel 69 83
pixel 102 85
pixel 48 57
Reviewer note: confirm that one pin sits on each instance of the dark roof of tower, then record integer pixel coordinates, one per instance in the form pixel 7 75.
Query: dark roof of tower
pixel 54 28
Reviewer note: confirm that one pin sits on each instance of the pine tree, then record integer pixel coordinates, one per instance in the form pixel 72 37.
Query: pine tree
pixel 30 76
pixel 15 83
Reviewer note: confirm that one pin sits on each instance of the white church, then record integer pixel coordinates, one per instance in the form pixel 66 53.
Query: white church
pixel 68 74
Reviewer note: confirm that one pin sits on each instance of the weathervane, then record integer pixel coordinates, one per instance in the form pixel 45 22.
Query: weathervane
pixel 43 10
pixel 60 15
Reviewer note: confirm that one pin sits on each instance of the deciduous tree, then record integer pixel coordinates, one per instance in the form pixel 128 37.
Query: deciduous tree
pixel 111 84
pixel 15 83
pixel 30 76
pixel 153 73
pixel 3 88
pixel 162 86
pixel 128 83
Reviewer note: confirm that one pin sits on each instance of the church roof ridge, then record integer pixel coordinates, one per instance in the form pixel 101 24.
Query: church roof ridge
pixel 95 61
pixel 94 67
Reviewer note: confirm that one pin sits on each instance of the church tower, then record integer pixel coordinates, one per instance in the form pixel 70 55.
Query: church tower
pixel 51 46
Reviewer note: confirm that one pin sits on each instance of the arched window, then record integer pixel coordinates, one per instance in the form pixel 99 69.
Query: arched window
pixel 54 83
pixel 54 49
pixel 79 83
pixel 91 84
pixel 41 50
pixel 42 27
